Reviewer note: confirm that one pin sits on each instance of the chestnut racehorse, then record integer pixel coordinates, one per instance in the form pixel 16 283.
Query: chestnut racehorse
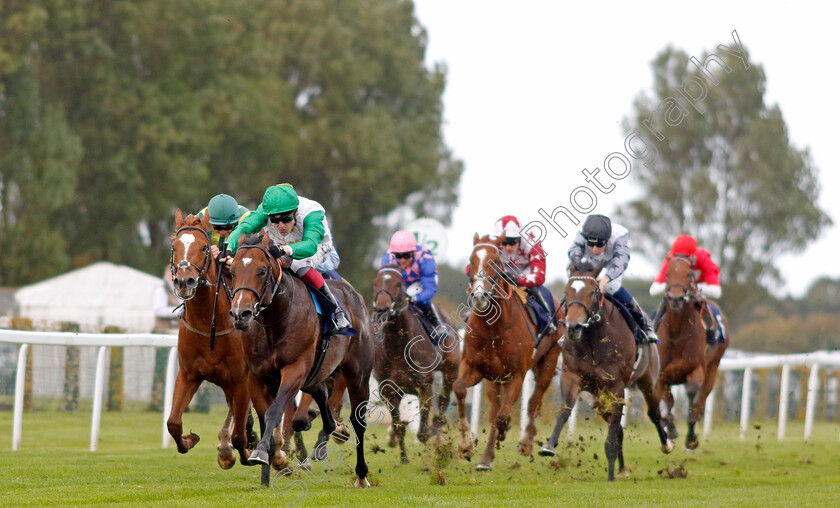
pixel 406 356
pixel 600 357
pixel 686 358
pixel 194 275
pixel 281 304
pixel 499 348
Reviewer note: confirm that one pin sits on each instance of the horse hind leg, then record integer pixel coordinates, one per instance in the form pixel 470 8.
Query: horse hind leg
pixel 226 457
pixel 359 390
pixel 544 372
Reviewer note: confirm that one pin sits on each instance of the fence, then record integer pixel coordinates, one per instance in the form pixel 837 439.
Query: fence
pixel 730 363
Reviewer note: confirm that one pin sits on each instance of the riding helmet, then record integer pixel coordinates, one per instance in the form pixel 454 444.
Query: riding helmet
pixel 597 226
pixel 223 210
pixel 684 245
pixel 280 199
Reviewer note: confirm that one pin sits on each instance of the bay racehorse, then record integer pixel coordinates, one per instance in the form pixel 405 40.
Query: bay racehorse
pixel 499 348
pixel 195 278
pixel 686 356
pixel 406 356
pixel 280 303
pixel 600 356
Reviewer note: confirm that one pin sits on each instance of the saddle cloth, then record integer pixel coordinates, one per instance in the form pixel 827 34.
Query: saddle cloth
pixel 638 333
pixel 539 317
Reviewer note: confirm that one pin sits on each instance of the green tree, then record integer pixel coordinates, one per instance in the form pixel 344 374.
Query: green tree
pixel 721 167
pixel 39 153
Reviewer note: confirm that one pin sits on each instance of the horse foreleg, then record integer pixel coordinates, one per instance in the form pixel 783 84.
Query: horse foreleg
pixel 185 388
pixel 569 388
pixel 292 377
pixel 666 409
pixel 696 404
pixel 450 372
pixel 509 394
pixel 613 447
pixel 494 394
pixel 467 376
pixel 241 410
pixel 424 393
pixel 652 391
pixel 336 400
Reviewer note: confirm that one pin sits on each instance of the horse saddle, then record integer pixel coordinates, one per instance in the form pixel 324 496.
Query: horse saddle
pixel 536 313
pixel 428 327
pixel 638 333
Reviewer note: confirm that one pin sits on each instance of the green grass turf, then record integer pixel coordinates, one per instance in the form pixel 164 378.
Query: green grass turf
pixel 55 468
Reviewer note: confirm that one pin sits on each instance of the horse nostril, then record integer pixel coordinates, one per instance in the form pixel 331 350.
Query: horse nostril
pixel 245 315
pixel 191 282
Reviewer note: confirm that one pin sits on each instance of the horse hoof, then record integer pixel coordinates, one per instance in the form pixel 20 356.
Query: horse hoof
pixel 280 460
pixel 623 474
pixel 341 433
pixel 484 467
pixel 548 451
pixel 672 431
pixel 258 457
pixel 226 459
pixel 362 483
pixel 524 449
pixel 668 447
pixel 403 460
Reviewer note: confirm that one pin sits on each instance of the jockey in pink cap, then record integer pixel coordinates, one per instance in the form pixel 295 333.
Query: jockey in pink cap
pixel 419 271
pixel 524 264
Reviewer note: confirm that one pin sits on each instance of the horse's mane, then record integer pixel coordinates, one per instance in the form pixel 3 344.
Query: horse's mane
pixel 390 265
pixel 252 239
pixel 585 265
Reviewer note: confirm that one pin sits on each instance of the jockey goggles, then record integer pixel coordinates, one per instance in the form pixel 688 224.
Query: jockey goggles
pixel 511 241
pixel 227 227
pixel 282 217
pixel 403 255
pixel 595 242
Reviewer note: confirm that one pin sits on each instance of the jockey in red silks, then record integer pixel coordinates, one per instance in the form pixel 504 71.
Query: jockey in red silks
pixel 523 263
pixel 706 274
pixel 419 271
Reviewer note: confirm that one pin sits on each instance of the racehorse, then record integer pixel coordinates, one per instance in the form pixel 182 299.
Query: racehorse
pixel 406 356
pixel 600 355
pixel 194 276
pixel 282 305
pixel 686 358
pixel 499 348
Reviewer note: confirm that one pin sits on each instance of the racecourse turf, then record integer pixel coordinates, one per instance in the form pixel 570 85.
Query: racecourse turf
pixel 56 468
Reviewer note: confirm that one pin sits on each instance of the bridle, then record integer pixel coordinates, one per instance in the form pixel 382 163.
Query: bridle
pixel 201 279
pixel 690 290
pixel 392 310
pixel 494 279
pixel 269 276
pixel 593 312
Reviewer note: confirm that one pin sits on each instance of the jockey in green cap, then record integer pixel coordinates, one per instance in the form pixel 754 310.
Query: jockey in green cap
pixel 298 226
pixel 225 214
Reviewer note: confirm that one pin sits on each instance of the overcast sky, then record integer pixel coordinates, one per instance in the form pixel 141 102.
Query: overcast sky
pixel 537 90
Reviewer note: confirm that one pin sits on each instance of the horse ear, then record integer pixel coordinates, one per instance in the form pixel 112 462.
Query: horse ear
pixel 179 218
pixel 205 221
pixel 475 239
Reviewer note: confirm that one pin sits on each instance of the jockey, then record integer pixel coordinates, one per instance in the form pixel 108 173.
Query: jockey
pixel 299 227
pixel 601 241
pixel 524 264
pixel 708 281
pixel 225 214
pixel 419 271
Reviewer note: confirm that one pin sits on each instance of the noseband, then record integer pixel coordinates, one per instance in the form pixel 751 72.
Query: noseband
pixel 593 314
pixel 258 306
pixel 202 280
pixel 690 290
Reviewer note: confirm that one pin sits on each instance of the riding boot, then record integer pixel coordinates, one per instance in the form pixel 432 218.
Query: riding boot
pixel 643 321
pixel 550 327
pixel 432 314
pixel 340 321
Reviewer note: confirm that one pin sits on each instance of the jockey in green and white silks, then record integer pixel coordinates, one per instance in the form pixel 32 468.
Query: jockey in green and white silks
pixel 298 226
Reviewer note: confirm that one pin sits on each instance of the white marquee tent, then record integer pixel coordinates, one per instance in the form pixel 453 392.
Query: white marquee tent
pixel 98 295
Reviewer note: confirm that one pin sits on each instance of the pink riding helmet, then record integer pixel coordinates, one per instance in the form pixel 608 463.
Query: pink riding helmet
pixel 403 241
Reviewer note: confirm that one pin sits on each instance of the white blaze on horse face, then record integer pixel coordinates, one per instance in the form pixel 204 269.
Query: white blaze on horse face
pixel 187 239
pixel 578 285
pixel 246 261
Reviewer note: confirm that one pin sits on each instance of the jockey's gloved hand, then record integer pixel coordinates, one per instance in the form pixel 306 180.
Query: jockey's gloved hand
pixel 412 299
pixel 275 251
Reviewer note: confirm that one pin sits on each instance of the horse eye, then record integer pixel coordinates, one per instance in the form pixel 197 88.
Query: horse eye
pixel 262 271
pixel 205 248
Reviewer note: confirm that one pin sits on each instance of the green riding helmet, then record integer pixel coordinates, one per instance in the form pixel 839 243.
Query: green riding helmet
pixel 223 210
pixel 280 199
